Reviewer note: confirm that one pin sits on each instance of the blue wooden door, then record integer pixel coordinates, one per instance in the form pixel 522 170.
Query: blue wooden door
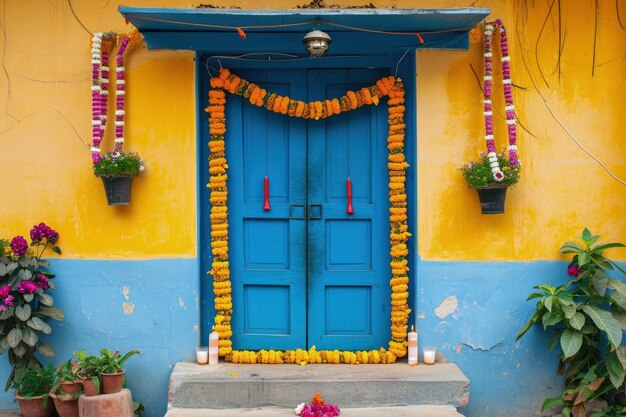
pixel 305 272
pixel 348 261
pixel 267 248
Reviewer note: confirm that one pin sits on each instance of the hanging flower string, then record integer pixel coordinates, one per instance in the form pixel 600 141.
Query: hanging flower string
pixel 101 42
pixel 508 95
pixel 222 287
pixel 498 175
pixel 120 93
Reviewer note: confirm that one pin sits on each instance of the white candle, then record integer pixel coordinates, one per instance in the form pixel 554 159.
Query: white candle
pixel 429 355
pixel 412 339
pixel 202 355
pixel 213 347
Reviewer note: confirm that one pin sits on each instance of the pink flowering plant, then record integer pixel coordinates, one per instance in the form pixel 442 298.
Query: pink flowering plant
pixel 25 305
pixel 318 408
pixel 587 315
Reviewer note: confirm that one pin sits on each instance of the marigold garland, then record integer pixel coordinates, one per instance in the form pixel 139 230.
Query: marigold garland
pixel 390 87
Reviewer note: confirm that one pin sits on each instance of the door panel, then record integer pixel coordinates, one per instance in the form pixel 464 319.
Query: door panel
pixel 267 248
pixel 348 261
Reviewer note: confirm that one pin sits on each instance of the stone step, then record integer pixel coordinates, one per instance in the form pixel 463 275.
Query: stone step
pixel 409 411
pixel 229 386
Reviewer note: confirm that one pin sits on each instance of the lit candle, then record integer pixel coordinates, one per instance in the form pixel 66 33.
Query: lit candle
pixel 202 355
pixel 429 355
pixel 213 347
pixel 412 338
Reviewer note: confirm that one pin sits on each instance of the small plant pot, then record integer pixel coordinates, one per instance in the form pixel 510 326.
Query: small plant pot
pixel 33 407
pixel 117 189
pixel 492 199
pixel 112 383
pixel 68 408
pixel 91 389
pixel 71 387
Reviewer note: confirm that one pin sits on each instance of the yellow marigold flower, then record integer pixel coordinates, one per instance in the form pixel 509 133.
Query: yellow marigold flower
pixel 328 105
pixel 318 109
pixel 354 103
pixel 336 106
pixel 284 105
pixel 299 109
pixel 396 109
pixel 395 101
pixel 399 295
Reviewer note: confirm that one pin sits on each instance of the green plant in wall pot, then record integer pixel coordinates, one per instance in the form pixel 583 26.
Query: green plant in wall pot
pixel 587 314
pixel 110 365
pixel 117 171
pixel 490 192
pixel 67 389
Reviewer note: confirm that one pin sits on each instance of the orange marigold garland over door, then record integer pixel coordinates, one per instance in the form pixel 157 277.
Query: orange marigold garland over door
pixel 390 87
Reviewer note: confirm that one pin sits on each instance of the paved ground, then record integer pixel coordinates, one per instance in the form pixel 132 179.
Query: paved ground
pixel 412 411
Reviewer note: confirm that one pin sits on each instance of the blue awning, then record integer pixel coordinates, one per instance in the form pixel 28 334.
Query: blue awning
pixel 352 30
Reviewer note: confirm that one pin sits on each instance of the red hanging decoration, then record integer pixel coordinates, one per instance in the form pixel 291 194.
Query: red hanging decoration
pixel 350 209
pixel 266 192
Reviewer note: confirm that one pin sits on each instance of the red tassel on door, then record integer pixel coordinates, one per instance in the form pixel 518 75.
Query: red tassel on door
pixel 350 209
pixel 266 193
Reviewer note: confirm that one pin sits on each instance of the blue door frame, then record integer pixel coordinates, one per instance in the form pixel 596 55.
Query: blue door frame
pixel 405 69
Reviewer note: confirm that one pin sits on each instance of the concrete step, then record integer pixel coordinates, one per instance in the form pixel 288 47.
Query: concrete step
pixel 410 411
pixel 228 386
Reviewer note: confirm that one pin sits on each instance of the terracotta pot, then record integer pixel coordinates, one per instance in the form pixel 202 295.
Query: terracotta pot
pixel 33 407
pixel 65 408
pixel 90 388
pixel 112 383
pixel 71 387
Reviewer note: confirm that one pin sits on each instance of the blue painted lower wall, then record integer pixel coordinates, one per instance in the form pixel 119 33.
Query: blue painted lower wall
pixel 152 305
pixel 507 378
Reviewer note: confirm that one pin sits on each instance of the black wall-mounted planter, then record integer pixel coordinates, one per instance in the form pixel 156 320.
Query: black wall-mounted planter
pixel 492 200
pixel 117 189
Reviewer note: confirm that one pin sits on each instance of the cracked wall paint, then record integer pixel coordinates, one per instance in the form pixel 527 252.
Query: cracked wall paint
pixel 447 307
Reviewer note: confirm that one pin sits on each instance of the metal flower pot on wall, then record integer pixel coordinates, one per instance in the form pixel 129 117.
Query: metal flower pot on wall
pixel 492 199
pixel 117 189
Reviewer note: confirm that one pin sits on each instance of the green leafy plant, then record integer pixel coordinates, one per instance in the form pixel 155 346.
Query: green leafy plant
pixel 88 367
pixel 138 409
pixel 25 305
pixel 610 411
pixel 34 381
pixel 587 315
pixel 121 164
pixel 478 173
pixel 66 372
pixel 112 362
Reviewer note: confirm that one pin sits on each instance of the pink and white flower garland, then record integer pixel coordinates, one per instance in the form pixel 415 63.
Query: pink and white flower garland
pixel 120 94
pixel 100 93
pixel 498 175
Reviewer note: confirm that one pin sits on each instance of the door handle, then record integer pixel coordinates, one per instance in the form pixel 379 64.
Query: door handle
pixel 315 211
pixel 297 206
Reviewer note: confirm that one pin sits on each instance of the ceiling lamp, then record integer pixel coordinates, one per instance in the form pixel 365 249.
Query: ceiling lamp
pixel 316 42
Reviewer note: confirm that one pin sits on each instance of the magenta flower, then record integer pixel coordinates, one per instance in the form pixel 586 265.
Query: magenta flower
pixel 19 245
pixel 8 302
pixel 573 271
pixel 27 287
pixel 5 291
pixel 42 231
pixel 42 282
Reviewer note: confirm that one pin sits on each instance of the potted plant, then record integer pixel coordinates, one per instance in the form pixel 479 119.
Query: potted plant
pixel 587 315
pixel 32 386
pixel 491 192
pixel 25 304
pixel 117 170
pixel 67 389
pixel 88 372
pixel 111 371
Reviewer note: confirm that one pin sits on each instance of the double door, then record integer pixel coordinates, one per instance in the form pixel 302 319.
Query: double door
pixel 305 272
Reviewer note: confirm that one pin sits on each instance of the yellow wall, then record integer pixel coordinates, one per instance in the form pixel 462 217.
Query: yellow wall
pixel 45 120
